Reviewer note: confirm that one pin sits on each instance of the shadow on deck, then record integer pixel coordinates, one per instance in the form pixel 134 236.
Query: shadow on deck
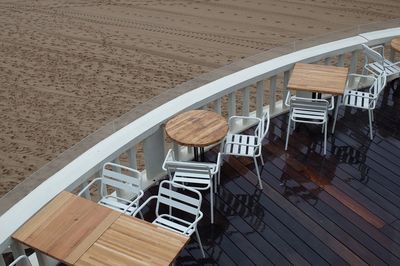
pixel 342 208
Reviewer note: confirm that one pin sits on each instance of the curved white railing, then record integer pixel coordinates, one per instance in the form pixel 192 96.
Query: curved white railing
pixel 148 130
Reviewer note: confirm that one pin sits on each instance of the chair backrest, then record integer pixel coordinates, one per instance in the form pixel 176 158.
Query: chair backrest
pixel 189 168
pixel 308 103
pixel 120 177
pixel 178 201
pixel 264 124
pixel 171 165
pixel 380 83
pixel 372 56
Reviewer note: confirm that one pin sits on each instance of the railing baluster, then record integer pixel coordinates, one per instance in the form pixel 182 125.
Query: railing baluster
pixel 2 262
pixel 231 104
pixel 217 106
pixel 154 152
pixel 354 61
pixel 117 161
pixel 246 101
pixel 132 160
pixel 259 98
pixel 177 152
pixel 340 60
pixel 17 250
pixel 286 76
pixel 392 54
pixel 272 94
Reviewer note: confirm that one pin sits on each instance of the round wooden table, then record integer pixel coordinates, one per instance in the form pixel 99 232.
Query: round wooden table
pixel 395 44
pixel 197 129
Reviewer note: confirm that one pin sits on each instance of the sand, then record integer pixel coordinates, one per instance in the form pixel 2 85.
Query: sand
pixel 69 67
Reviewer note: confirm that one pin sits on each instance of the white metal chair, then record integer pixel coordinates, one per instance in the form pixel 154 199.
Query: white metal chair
pixel 20 259
pixel 120 188
pixel 196 175
pixel 247 145
pixel 376 63
pixel 363 100
pixel 308 111
pixel 177 209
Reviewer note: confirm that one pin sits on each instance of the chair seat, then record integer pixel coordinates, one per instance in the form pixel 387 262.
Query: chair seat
pixel 236 144
pixel 118 205
pixel 357 99
pixel 308 115
pixel 170 223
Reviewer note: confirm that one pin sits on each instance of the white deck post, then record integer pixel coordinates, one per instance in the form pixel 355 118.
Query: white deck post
pixel 272 94
pixel 260 98
pixel 154 152
pixel 340 60
pixel 2 262
pixel 18 250
pixel 217 106
pixel 246 101
pixel 231 104
pixel 286 76
pixel 132 161
pixel 354 60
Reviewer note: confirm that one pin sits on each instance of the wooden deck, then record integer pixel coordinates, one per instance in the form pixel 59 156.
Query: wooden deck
pixel 342 208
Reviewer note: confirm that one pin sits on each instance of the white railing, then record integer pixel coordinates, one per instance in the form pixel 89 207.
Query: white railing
pixel 250 84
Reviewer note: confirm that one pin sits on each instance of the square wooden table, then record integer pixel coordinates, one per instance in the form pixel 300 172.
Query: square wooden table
pixel 77 231
pixel 131 241
pixel 66 227
pixel 318 78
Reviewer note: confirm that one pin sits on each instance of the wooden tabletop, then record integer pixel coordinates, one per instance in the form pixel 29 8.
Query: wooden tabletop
pixel 395 44
pixel 66 227
pixel 318 78
pixel 197 128
pixel 130 241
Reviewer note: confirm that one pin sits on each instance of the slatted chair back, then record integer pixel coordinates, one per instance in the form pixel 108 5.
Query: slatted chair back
pixel 121 178
pixel 178 201
pixel 187 170
pixel 380 84
pixel 264 125
pixel 374 61
pixel 308 110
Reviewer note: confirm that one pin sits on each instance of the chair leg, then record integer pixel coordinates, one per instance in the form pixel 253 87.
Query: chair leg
pixel 141 215
pixel 258 172
pixel 287 134
pixel 372 116
pixel 325 125
pixel 262 158
pixel 199 241
pixel 335 118
pixel 370 124
pixel 212 203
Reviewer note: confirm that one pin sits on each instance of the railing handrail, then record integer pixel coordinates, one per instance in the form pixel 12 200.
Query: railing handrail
pixel 146 125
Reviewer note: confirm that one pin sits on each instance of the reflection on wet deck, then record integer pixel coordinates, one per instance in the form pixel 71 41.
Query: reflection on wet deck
pixel 342 208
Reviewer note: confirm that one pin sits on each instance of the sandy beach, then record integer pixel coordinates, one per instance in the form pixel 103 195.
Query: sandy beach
pixel 68 67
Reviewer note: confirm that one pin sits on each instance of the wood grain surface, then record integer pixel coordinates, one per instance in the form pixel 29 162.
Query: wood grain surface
pixel 318 78
pixel 197 128
pixel 131 241
pixel 66 227
pixel 395 44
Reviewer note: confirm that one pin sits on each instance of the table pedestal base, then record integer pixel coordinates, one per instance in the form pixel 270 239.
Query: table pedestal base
pixel 199 154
